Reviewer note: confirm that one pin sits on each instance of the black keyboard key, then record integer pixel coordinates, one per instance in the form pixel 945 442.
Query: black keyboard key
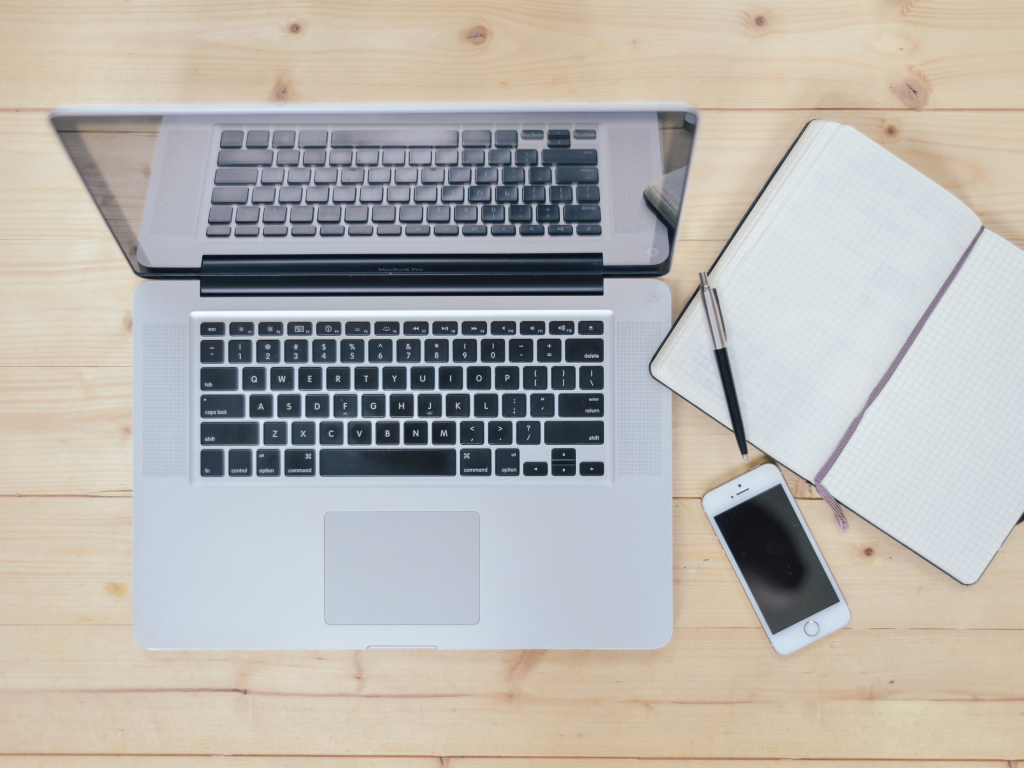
pixel 513 406
pixel 367 378
pixel 528 433
pixel 268 351
pixel 245 157
pixel 275 433
pixel 591 327
pixel 548 213
pixel 442 433
pixel 428 406
pixel 415 433
pixel 386 328
pixel 535 469
pixel 485 406
pixel 345 406
pixel 446 230
pixel 558 133
pixel 394 378
pixel 298 463
pixel 478 377
pixel 493 350
pixel 435 351
pixel 499 230
pixel 229 433
pixel 312 139
pixel 574 432
pixel 373 407
pixel 532 133
pixel 218 379
pixel 296 351
pixel 268 463
pixel 471 433
pixel 244 176
pixel 506 377
pixel 473 157
pixel 282 379
pixel 261 406
pixel 531 328
pixel 584 133
pixel 449 377
pixel 476 138
pixel 520 350
pixel 388 433
pixel 561 194
pixel 506 139
pixel 526 157
pixel 254 379
pixel 531 229
pixel 325 351
pixel 445 328
pixel 311 378
pixel 588 194
pixel 534 194
pixel 474 328
pixel 487 175
pixel 211 463
pixel 507 194
pixel 220 214
pixel 211 351
pixel 289 406
pixel 568 156
pixel 477 195
pixel 464 351
pixel 303 433
pixel 403 462
pixel 456 406
pixel 222 406
pixel 240 351
pixel 257 139
pixel 242 329
pixel 283 139
pixel 407 351
pixel 588 229
pixel 570 175
pixel 327 329
pixel 563 469
pixel 381 351
pixel 415 328
pixel 231 139
pixel 591 468
pixel 506 462
pixel 540 175
pixel 338 378
pixel 535 377
pixel 357 329
pixel 503 328
pixel 417 230
pixel 360 433
pixel 459 175
pixel 584 350
pixel 423 377
pixel 474 461
pixel 549 350
pixel 591 377
pixel 352 351
pixel 401 406
pixel 211 329
pixel 563 377
pixel 542 406
pixel 513 175
pixel 581 212
pixel 580 405
pixel 499 433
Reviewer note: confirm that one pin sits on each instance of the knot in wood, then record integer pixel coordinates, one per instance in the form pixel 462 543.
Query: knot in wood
pixel 477 35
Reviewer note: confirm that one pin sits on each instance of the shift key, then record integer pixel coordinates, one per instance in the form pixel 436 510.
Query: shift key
pixel 230 433
pixel 573 432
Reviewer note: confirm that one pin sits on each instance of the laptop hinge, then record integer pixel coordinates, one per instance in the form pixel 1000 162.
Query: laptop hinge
pixel 402 275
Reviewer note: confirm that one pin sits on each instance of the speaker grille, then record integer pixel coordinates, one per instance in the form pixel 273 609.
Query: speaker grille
pixel 165 400
pixel 638 418
pixel 631 170
pixel 181 181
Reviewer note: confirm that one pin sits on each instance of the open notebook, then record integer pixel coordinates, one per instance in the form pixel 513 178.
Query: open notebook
pixel 875 335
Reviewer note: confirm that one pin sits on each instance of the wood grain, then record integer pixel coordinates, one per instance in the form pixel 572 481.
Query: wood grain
pixel 880 54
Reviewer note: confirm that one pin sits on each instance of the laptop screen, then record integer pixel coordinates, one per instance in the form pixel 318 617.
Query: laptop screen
pixel 177 186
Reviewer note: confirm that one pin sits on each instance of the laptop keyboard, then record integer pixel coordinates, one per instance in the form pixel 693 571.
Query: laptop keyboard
pixel 378 397
pixel 410 182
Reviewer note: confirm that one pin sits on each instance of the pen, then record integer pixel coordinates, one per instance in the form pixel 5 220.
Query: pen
pixel 713 312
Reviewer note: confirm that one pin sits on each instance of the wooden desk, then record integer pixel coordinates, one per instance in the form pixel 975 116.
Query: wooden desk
pixel 927 671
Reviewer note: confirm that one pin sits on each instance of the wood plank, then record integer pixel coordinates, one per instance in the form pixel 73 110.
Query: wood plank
pixel 846 54
pixel 67 561
pixel 441 761
pixel 509 722
pixel 975 155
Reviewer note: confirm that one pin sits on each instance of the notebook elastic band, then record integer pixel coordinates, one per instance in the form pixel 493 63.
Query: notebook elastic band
pixel 840 518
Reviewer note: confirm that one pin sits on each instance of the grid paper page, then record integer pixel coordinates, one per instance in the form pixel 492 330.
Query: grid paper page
pixel 819 290
pixel 934 463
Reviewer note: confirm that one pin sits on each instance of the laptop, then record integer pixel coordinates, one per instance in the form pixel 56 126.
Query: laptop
pixel 390 369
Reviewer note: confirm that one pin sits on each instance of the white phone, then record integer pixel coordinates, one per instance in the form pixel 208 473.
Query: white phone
pixel 776 558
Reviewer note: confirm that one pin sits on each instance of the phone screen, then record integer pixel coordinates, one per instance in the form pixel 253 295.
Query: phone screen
pixel 776 559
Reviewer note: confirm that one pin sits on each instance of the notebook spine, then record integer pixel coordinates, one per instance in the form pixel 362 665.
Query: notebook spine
pixel 848 435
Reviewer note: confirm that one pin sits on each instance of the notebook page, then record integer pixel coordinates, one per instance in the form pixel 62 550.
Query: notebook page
pixel 819 291
pixel 935 461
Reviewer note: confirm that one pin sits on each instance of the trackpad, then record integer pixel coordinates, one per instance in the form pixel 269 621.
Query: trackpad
pixel 402 568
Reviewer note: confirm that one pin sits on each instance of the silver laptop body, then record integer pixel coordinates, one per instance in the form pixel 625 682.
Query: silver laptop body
pixel 391 378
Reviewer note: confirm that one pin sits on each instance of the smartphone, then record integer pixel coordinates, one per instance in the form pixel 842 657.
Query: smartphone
pixel 778 563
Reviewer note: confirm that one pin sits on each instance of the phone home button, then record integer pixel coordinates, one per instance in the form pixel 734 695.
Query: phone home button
pixel 811 628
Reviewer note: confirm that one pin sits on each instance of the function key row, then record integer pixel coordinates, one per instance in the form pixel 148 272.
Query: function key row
pixel 408 328
pixel 241 158
pixel 315 138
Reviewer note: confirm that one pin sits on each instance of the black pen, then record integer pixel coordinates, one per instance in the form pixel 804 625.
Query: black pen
pixel 713 312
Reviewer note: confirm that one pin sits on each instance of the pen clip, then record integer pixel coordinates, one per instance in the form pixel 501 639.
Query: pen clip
pixel 721 315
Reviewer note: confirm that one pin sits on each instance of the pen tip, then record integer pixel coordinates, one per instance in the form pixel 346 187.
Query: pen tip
pixel 745 459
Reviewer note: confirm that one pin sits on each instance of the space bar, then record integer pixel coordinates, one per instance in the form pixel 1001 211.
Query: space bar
pixel 396 462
